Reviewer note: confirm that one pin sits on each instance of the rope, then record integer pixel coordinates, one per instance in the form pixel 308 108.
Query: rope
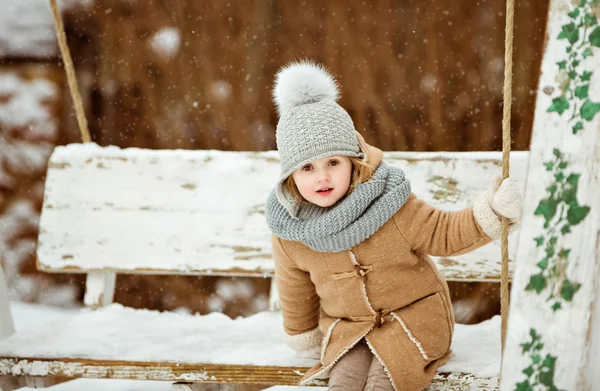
pixel 70 71
pixel 508 66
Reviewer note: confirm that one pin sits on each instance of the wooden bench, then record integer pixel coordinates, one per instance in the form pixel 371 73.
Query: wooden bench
pixel 108 210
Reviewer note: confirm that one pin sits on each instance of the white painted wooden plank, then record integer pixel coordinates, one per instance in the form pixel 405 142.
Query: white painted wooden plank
pixel 99 288
pixel 202 212
pixel 7 326
pixel 554 285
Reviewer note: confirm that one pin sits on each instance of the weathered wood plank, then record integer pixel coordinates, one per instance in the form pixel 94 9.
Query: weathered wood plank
pixel 557 263
pixel 202 212
pixel 201 373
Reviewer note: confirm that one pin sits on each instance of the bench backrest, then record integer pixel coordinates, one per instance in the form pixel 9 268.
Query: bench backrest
pixel 202 212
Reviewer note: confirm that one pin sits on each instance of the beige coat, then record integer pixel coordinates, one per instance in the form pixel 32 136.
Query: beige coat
pixel 385 289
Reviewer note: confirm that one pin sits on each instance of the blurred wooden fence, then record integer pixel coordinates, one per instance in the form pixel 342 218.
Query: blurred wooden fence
pixel 415 74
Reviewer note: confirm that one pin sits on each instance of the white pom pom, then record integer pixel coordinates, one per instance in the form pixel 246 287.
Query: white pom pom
pixel 301 83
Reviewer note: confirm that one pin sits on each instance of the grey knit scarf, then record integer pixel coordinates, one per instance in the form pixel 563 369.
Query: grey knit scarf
pixel 347 223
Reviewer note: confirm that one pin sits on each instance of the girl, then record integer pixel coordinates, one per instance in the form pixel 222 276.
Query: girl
pixel 350 244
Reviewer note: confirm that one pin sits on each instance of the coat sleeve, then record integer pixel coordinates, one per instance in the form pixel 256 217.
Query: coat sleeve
pixel 446 233
pixel 300 303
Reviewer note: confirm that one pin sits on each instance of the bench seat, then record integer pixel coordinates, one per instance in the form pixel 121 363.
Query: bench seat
pixel 124 343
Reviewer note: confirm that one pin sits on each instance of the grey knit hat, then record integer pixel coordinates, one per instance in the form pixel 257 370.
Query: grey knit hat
pixel 311 124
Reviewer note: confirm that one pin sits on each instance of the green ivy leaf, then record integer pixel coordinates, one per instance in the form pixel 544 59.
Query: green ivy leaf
pixel 562 64
pixel 587 53
pixel 546 208
pixel 572 75
pixel 577 127
pixel 543 264
pixel 556 306
pixel 594 37
pixel 566 229
pixel 547 377
pixel 574 14
pixel 573 180
pixel 564 253
pixel 590 20
pixel 556 152
pixel 534 335
pixel 588 110
pixel 586 76
pixel 571 32
pixel 528 371
pixel 582 91
pixel 524 386
pixel 568 290
pixel 536 358
pixel 526 346
pixel 559 105
pixel 562 165
pixel 549 362
pixel 577 213
pixel 559 176
pixel 575 65
pixel 537 283
pixel 549 166
pixel 539 241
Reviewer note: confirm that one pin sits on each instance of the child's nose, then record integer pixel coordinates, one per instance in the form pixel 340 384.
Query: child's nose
pixel 323 177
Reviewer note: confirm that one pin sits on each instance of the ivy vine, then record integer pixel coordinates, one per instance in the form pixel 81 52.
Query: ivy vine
pixel 540 372
pixel 582 32
pixel 561 209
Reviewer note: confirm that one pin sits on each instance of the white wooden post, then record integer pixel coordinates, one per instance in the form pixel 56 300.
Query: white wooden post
pixel 99 289
pixel 7 326
pixel 557 262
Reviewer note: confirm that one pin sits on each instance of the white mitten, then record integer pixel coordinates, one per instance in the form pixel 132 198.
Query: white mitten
pixel 507 200
pixel 503 198
pixel 306 345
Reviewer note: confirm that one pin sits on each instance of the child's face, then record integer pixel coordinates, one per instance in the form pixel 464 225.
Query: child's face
pixel 323 182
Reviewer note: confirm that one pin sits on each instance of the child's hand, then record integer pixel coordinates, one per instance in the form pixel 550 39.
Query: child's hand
pixel 506 199
pixel 307 344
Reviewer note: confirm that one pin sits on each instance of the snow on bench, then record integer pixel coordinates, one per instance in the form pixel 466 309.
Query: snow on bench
pixel 202 212
pixel 121 342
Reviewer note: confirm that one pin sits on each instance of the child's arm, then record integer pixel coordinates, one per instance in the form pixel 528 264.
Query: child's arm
pixel 443 233
pixel 300 304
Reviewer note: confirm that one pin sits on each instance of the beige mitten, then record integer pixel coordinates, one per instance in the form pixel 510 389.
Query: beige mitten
pixel 306 345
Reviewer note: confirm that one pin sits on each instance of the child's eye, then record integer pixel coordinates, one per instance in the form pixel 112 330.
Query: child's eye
pixel 334 162
pixel 308 167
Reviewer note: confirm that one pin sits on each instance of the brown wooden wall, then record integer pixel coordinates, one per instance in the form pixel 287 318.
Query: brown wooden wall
pixel 415 74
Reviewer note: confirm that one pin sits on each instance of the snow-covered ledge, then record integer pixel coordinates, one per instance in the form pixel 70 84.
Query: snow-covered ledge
pixel 7 326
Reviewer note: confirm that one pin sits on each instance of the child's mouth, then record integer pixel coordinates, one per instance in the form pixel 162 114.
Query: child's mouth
pixel 325 192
